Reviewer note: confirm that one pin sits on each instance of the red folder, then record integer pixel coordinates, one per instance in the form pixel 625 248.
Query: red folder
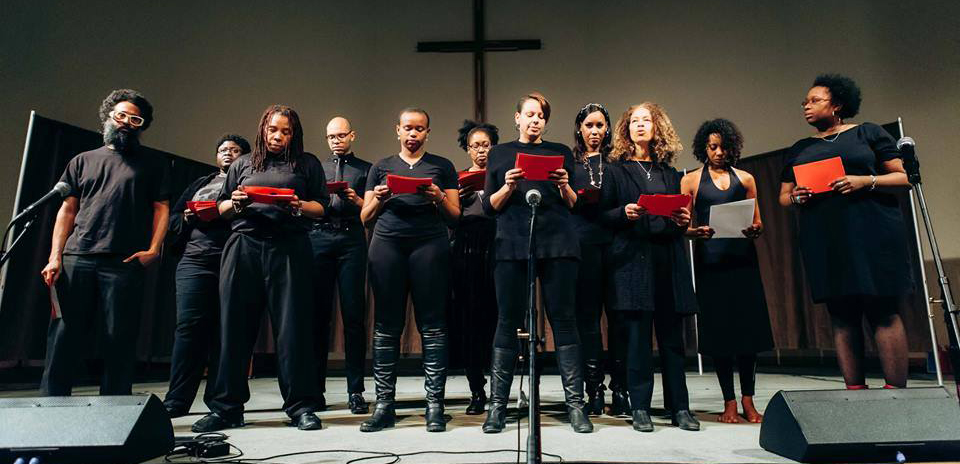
pixel 817 175
pixel 336 187
pixel 205 210
pixel 589 195
pixel 473 180
pixel 538 167
pixel 403 184
pixel 268 195
pixel 663 205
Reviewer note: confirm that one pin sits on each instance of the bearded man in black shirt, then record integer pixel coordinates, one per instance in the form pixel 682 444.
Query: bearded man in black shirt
pixel 109 228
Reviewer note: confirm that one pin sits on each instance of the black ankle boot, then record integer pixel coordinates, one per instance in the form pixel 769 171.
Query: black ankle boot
pixel 642 421
pixel 619 402
pixel 502 365
pixel 434 418
pixel 571 376
pixel 593 381
pixel 384 416
pixel 478 403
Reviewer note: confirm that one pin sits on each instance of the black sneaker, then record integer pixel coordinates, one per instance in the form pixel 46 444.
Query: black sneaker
pixel 357 404
pixel 214 422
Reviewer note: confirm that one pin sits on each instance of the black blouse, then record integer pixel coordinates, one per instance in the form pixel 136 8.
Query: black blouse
pixel 590 175
pixel 555 233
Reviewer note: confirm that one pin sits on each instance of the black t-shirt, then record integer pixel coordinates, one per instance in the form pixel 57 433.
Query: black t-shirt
pixel 354 171
pixel 116 192
pixel 412 214
pixel 307 181
pixel 555 235
pixel 207 238
pixel 590 174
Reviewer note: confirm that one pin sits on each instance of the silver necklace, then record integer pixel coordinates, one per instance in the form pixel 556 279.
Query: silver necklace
pixel 586 165
pixel 649 172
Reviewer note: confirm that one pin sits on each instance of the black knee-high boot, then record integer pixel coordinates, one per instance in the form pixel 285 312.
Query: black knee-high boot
pixel 502 366
pixel 386 352
pixel 571 375
pixel 434 376
pixel 593 380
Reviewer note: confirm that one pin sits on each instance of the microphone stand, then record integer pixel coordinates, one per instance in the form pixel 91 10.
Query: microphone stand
pixel 4 250
pixel 534 451
pixel 946 295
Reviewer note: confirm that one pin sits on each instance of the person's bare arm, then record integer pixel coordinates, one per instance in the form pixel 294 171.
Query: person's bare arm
pixel 161 210
pixel 62 227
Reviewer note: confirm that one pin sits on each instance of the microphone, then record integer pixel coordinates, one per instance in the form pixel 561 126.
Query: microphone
pixel 59 192
pixel 907 148
pixel 533 197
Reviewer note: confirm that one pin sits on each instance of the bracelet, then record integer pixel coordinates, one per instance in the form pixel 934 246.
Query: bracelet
pixel 443 196
pixel 794 200
pixel 236 207
pixel 873 182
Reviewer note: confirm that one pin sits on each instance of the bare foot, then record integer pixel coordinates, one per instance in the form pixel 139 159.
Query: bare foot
pixel 729 415
pixel 750 411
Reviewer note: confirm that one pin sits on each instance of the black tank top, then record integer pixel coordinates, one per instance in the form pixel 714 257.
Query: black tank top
pixel 720 250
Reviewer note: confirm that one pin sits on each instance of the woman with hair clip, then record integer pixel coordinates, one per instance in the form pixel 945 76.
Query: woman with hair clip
pixel 266 263
pixel 593 138
pixel 733 324
pixel 651 282
pixel 472 317
pixel 557 254
pixel 409 252
pixel 853 238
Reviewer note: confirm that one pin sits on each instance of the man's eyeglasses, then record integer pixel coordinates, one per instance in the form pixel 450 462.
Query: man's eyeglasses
pixel 234 150
pixel 341 136
pixel 132 119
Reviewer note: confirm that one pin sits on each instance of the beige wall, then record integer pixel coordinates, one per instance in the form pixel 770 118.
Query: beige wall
pixel 211 67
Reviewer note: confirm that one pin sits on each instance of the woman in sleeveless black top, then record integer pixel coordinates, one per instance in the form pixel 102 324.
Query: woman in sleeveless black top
pixel 733 324
pixel 853 239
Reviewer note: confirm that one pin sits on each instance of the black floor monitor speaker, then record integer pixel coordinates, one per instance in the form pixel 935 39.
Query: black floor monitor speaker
pixel 84 429
pixel 862 425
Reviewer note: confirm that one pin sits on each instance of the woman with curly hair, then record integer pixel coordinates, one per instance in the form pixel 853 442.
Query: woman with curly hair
pixel 593 137
pixel 853 238
pixel 472 318
pixel 651 275
pixel 733 324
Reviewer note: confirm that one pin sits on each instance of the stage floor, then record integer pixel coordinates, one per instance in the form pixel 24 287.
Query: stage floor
pixel 612 441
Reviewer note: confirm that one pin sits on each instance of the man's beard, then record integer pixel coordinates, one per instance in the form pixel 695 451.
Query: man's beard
pixel 123 140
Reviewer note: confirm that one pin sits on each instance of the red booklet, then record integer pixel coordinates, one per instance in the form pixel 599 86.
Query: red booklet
pixel 538 167
pixel 205 210
pixel 336 187
pixel 268 195
pixel 817 175
pixel 663 205
pixel 473 180
pixel 589 195
pixel 403 184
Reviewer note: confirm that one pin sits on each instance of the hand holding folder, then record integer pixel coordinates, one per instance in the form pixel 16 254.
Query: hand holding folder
pixel 206 211
pixel 538 167
pixel 336 187
pixel 268 195
pixel 663 205
pixel 473 180
pixel 818 175
pixel 403 184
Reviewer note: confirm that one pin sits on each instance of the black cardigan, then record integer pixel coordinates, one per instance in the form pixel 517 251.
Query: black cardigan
pixel 631 288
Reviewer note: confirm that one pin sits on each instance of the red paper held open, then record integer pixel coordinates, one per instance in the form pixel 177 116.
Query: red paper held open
pixel 663 205
pixel 206 211
pixel 268 195
pixel 817 175
pixel 538 167
pixel 403 184
pixel 473 180
pixel 336 187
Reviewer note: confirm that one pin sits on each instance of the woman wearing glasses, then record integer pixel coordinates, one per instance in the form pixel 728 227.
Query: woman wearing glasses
pixel 853 238
pixel 473 315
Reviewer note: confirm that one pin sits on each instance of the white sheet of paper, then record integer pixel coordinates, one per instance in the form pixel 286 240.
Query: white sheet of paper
pixel 729 219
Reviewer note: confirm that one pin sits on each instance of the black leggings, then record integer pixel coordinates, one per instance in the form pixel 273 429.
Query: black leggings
pixel 591 285
pixel 746 365
pixel 418 265
pixel 558 278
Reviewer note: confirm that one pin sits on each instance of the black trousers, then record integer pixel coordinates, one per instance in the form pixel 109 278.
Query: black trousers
pixel 746 364
pixel 340 261
pixel 92 288
pixel 196 342
pixel 639 332
pixel 591 285
pixel 558 277
pixel 271 273
pixel 419 267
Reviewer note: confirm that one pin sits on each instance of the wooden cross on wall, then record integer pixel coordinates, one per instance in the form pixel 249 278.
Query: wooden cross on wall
pixel 478 46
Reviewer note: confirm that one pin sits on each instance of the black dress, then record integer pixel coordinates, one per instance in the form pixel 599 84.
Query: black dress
pixel 729 290
pixel 854 244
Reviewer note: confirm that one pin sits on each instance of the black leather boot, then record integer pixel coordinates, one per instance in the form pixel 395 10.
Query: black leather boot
pixel 478 403
pixel 502 365
pixel 386 352
pixel 593 381
pixel 642 421
pixel 571 376
pixel 619 397
pixel 434 343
